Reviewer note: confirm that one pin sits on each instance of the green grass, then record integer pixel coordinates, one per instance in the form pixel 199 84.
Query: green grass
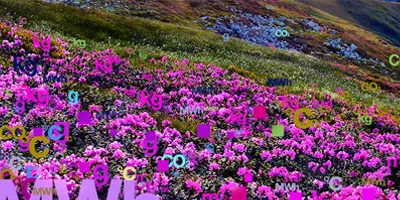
pixel 158 39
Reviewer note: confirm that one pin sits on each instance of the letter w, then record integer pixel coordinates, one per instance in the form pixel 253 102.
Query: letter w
pixel 42 191
pixel 285 186
pixel 192 109
pixel 54 79
pixel 37 191
pixel 281 81
pixel 47 191
pixel 101 115
pixel 183 110
pixel 271 82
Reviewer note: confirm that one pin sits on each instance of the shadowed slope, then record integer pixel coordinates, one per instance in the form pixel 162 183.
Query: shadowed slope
pixel 383 18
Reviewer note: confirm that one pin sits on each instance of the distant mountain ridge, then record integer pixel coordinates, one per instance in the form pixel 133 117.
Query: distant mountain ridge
pixel 382 18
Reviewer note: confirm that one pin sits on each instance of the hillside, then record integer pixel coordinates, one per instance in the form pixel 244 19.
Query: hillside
pixel 168 49
pixel 383 18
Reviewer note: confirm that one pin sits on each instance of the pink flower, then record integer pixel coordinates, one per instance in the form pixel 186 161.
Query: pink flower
pixel 242 171
pixel 8 145
pixel 265 190
pixel 266 155
pixel 342 155
pixel 214 166
pixel 194 185
pixel 166 123
pixel 119 154
pixel 82 79
pixel 239 147
pixel 169 151
pixel 243 158
pixel 115 145
pixel 318 155
pixel 163 59
pixel 185 61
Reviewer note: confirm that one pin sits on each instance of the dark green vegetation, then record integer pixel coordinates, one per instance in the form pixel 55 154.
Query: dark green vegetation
pixel 103 30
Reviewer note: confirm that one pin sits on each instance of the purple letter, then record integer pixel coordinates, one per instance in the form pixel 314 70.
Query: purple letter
pixel 7 190
pixel 88 191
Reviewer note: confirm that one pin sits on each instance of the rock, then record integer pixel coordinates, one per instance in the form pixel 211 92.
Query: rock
pixel 204 18
pixel 353 47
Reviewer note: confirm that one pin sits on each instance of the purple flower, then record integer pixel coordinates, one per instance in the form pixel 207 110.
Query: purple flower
pixel 214 166
pixel 7 145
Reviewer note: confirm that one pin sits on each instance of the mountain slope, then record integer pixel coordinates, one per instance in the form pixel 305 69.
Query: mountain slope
pixel 383 18
pixel 157 38
pixel 353 136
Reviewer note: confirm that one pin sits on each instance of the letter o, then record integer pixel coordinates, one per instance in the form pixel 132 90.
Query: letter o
pixel 32 149
pixel 347 94
pixel 23 20
pixel 333 186
pixel 1 132
pixel 125 173
pixel 289 111
pixel 183 160
pixel 11 163
pixel 12 176
pixel 297 121
pixel 364 88
pixel 51 136
pixel 391 60
pixel 14 132
pixel 294 103
pixel 278 35
pixel 375 88
pixel 285 31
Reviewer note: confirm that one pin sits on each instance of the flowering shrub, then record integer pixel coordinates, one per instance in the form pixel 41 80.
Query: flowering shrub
pixel 354 150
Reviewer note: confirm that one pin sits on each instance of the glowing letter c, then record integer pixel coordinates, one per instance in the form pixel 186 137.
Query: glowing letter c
pixel 51 136
pixel 167 156
pixel 125 173
pixel 391 61
pixel 32 149
pixel 28 173
pixel 1 133
pixel 297 115
pixel 11 163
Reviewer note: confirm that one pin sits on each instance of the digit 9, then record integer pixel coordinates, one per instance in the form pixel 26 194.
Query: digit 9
pixel 99 177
